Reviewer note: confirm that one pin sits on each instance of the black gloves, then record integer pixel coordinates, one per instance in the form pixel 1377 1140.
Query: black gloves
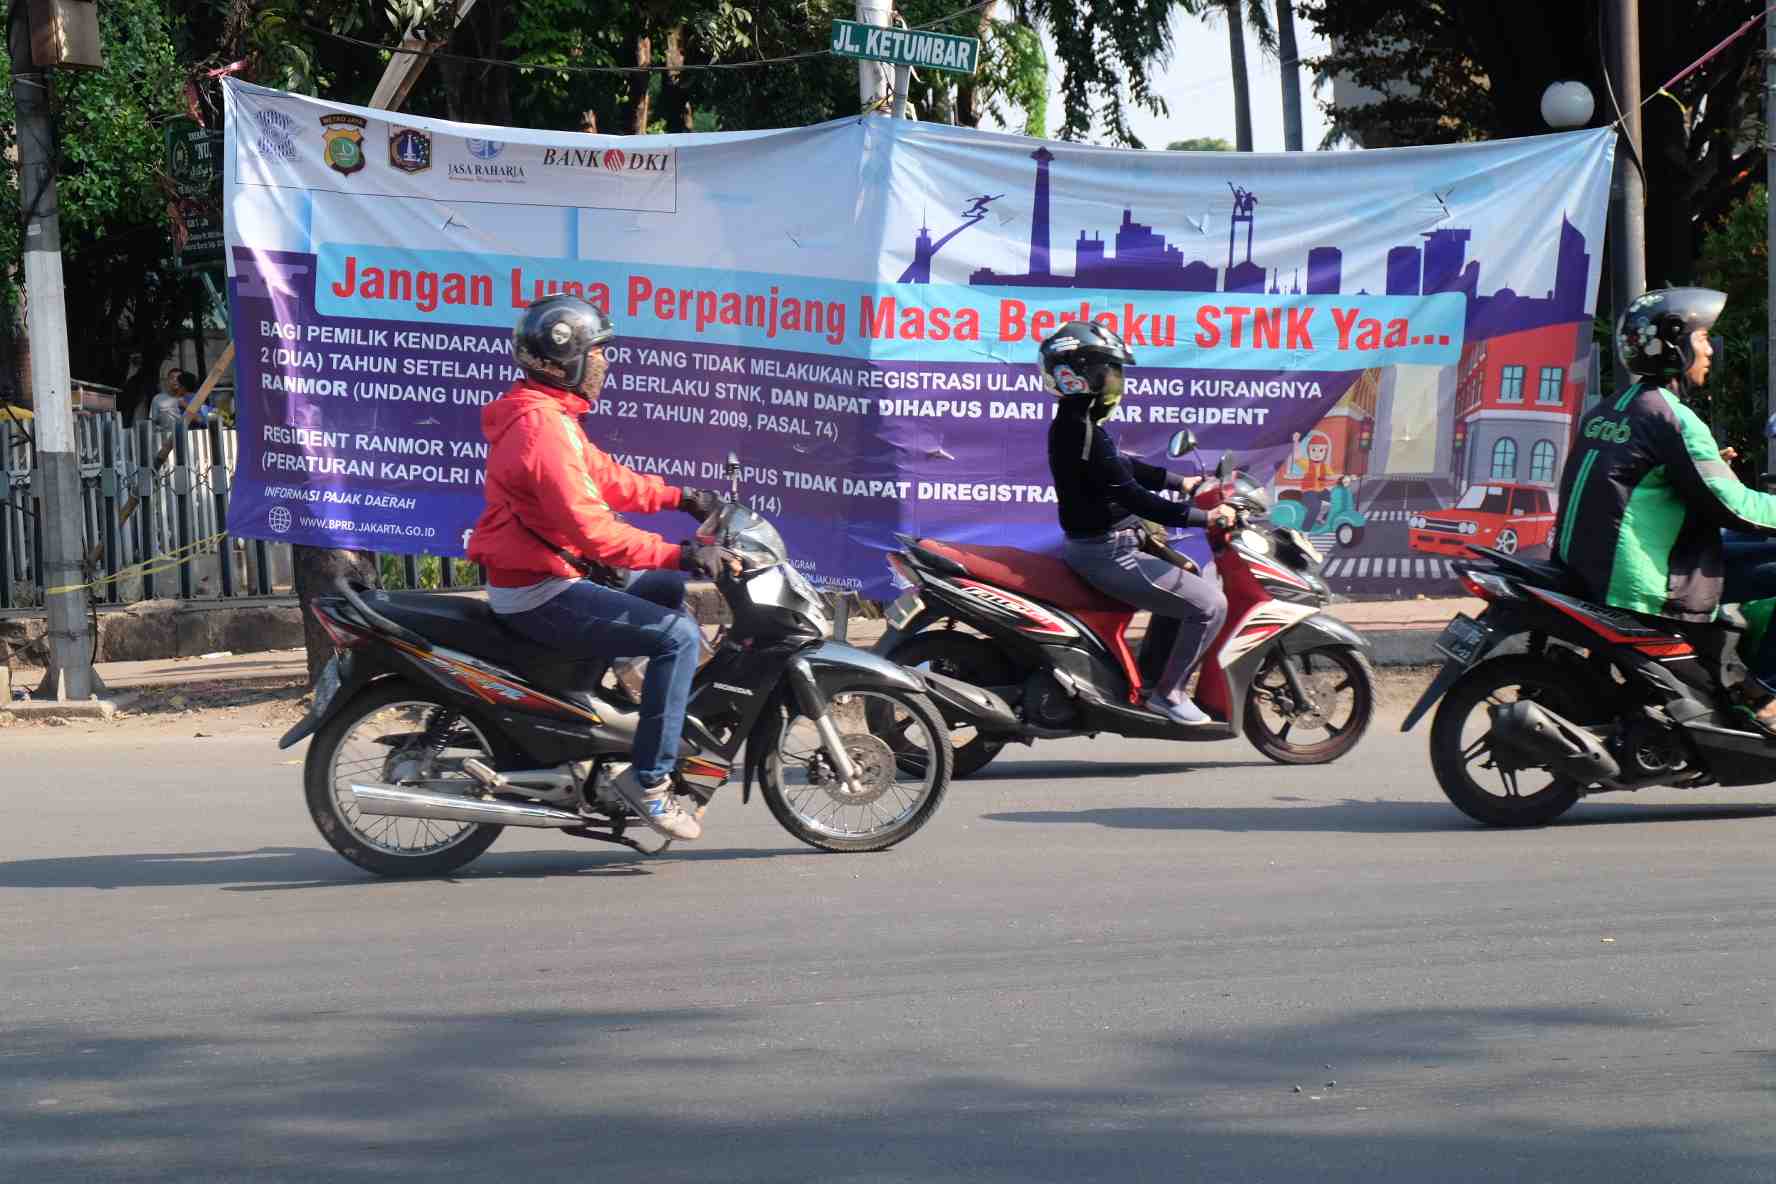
pixel 707 560
pixel 699 503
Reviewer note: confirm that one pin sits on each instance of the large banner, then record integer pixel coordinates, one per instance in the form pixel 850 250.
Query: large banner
pixel 1395 341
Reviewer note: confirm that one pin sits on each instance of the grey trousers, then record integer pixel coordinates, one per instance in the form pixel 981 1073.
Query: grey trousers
pixel 1116 566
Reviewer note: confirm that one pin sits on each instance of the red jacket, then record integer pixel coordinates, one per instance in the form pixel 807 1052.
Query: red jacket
pixel 544 473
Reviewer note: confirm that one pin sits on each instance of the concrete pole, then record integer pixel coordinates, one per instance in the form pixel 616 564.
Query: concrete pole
pixel 1628 193
pixel 58 463
pixel 1769 234
pixel 872 77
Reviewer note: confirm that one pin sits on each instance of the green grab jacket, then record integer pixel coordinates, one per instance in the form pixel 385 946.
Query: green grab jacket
pixel 1643 499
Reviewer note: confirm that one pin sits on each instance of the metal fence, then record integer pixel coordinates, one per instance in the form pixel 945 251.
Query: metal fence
pixel 174 543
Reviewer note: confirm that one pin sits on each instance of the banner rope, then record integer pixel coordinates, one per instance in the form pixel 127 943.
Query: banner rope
pixel 172 560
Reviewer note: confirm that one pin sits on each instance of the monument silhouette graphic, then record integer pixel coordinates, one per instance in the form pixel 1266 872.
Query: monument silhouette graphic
pixel 1139 258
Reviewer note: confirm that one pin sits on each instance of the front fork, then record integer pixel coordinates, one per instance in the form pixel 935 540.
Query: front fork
pixel 813 704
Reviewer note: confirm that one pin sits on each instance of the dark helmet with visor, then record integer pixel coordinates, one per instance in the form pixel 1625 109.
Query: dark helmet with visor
pixel 554 336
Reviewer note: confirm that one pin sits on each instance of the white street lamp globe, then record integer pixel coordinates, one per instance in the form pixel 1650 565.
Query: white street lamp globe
pixel 1567 104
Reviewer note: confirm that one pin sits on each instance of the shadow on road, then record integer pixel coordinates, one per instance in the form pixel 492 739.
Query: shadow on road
pixel 711 1094
pixel 1355 816
pixel 1106 770
pixel 266 869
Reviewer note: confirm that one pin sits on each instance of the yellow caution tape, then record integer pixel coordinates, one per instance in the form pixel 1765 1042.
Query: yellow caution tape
pixel 171 561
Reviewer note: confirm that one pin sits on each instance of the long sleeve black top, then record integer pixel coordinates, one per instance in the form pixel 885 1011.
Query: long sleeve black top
pixel 1097 486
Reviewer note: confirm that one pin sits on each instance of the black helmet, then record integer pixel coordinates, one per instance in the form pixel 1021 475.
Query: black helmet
pixel 1653 335
pixel 1077 359
pixel 554 336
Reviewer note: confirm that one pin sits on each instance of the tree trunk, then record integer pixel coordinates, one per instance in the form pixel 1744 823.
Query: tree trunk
pixel 1287 53
pixel 316 569
pixel 1242 89
pixel 639 106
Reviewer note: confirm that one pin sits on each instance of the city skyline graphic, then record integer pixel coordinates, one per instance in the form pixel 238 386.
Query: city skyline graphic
pixel 1139 258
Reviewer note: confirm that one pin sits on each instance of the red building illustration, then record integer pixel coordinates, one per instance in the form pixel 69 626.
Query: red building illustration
pixel 1517 397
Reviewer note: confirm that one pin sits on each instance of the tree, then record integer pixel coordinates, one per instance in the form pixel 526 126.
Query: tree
pixel 1238 14
pixel 123 294
pixel 1106 50
pixel 1288 58
pixel 1200 144
pixel 1450 71
pixel 1736 260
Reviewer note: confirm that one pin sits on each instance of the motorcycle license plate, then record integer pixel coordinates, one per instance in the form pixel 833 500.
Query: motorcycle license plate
pixel 905 608
pixel 1462 639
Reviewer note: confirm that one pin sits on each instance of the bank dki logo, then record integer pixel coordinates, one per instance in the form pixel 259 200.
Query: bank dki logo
pixel 279 520
pixel 485 149
pixel 344 139
pixel 277 135
pixel 410 150
pixel 611 160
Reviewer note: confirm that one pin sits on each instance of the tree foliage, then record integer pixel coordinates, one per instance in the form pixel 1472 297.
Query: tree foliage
pixel 1450 71
pixel 1200 144
pixel 1736 260
pixel 123 295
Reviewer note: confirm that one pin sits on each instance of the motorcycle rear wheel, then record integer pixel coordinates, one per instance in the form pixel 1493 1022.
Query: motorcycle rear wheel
pixel 1459 741
pixel 394 847
pixel 970 659
pixel 1346 675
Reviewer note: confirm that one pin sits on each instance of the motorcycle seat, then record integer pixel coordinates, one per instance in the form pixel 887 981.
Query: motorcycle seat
pixel 467 625
pixel 1041 577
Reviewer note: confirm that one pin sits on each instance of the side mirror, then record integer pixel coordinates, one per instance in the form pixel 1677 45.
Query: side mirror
pixel 1224 470
pixel 1184 441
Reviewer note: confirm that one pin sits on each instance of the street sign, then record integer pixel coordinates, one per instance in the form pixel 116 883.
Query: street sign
pixel 906 47
pixel 194 163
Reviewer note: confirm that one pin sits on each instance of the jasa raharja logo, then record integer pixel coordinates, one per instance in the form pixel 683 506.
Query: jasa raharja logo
pixel 1610 431
pixel 610 160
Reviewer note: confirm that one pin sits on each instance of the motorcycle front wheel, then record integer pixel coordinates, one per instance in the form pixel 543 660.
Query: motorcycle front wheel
pixel 900 748
pixel 396 733
pixel 1340 683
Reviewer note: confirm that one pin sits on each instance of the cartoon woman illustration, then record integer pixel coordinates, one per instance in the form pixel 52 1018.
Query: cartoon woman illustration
pixel 1311 466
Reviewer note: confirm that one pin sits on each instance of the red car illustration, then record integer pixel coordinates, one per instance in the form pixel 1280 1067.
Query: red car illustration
pixel 1495 514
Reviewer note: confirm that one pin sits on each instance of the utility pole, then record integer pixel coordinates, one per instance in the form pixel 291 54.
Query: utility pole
pixel 70 675
pixel 872 77
pixel 1628 192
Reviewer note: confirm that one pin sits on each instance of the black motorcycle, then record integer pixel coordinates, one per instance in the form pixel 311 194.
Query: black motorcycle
pixel 435 727
pixel 1600 700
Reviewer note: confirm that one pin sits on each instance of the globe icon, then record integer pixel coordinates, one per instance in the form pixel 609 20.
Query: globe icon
pixel 279 519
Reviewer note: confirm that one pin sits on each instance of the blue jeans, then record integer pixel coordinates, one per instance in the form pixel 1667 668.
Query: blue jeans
pixel 646 619
pixel 1750 572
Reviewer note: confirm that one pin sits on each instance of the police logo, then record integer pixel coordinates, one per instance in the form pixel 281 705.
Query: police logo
pixel 410 150
pixel 344 139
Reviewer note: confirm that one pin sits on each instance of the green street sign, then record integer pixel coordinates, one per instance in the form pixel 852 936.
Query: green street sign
pixel 194 163
pixel 906 47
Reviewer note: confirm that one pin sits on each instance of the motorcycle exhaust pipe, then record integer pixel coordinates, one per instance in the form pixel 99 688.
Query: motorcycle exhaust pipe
pixel 1538 736
pixel 387 800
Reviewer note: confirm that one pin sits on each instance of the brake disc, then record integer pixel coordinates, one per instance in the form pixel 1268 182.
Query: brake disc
pixel 870 757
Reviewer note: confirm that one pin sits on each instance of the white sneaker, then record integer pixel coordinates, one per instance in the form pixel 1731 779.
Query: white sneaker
pixel 657 806
pixel 1182 710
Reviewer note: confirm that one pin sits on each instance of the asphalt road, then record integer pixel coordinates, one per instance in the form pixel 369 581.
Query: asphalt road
pixel 1099 962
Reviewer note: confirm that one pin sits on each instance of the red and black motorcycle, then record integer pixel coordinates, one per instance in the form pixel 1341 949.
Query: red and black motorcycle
pixel 1048 655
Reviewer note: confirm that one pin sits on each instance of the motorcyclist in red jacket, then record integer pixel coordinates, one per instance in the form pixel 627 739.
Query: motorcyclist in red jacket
pixel 562 569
